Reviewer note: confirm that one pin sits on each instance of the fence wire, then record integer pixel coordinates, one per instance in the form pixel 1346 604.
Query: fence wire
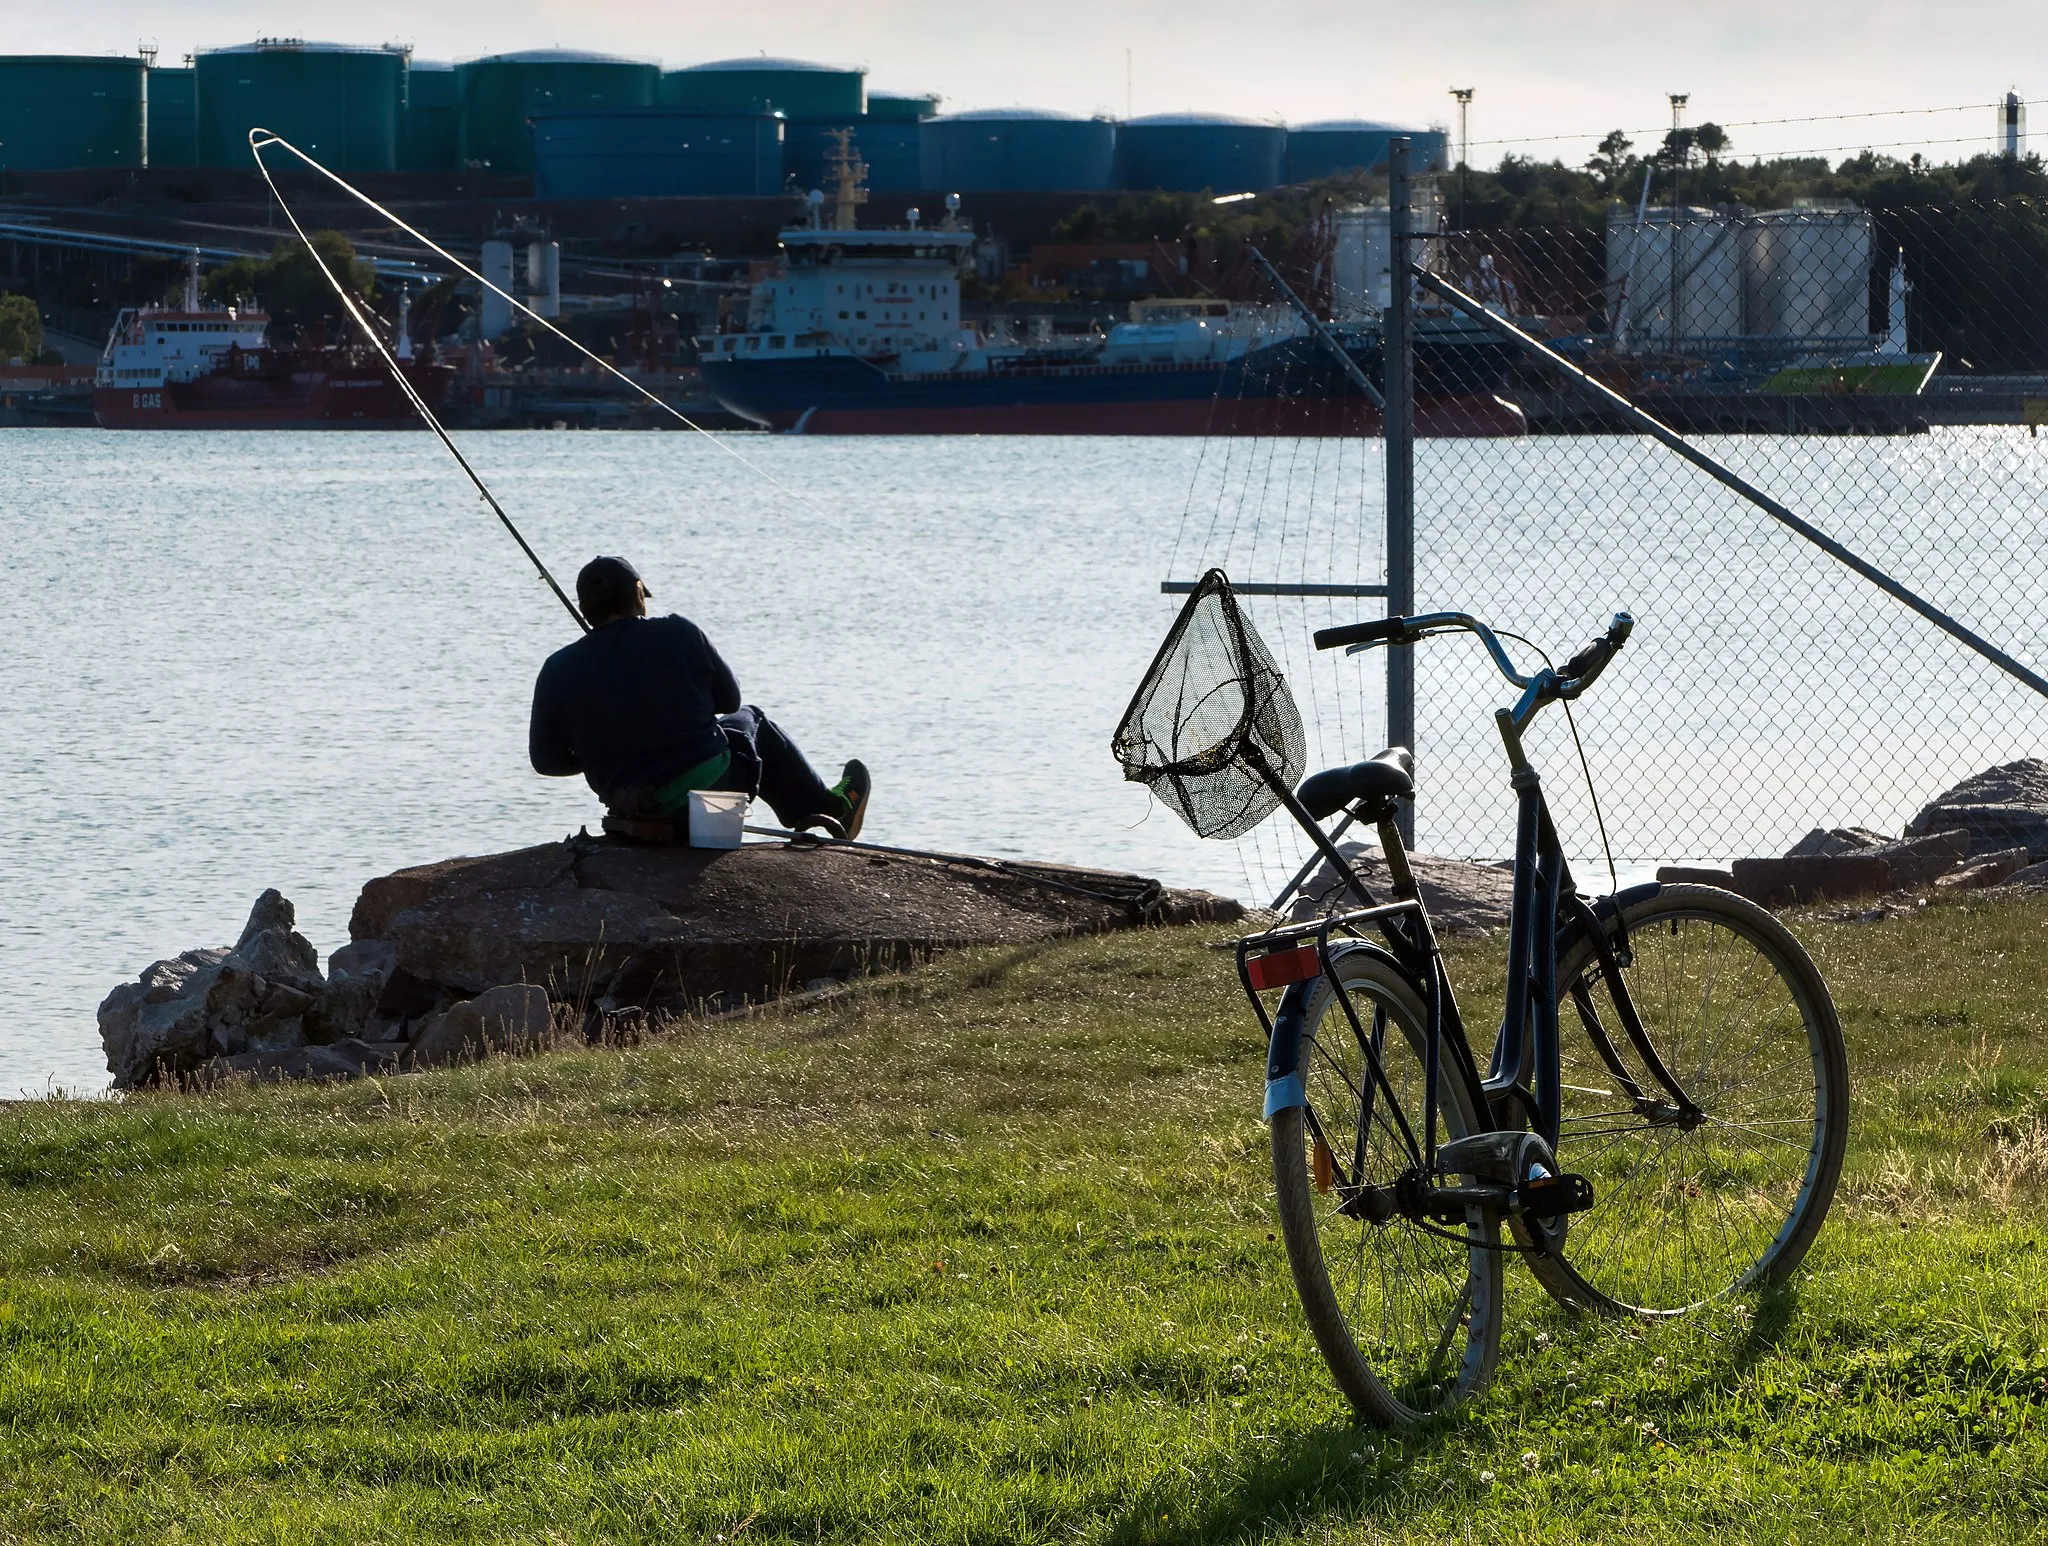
pixel 1874 370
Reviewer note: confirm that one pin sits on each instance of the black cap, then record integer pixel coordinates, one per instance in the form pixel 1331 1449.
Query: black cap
pixel 605 585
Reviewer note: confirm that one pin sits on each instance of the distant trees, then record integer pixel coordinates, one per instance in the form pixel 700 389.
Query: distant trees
pixel 21 330
pixel 289 285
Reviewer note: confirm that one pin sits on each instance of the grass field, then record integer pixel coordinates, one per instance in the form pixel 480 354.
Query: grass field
pixel 981 1254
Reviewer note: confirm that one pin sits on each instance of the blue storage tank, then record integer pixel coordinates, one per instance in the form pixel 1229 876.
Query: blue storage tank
pixel 500 95
pixel 888 145
pixel 1017 150
pixel 430 139
pixel 656 152
pixel 1193 152
pixel 173 117
pixel 796 88
pixel 1356 144
pixel 70 110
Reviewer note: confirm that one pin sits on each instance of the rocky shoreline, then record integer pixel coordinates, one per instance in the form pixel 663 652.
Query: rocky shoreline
pixel 586 940
pixel 594 940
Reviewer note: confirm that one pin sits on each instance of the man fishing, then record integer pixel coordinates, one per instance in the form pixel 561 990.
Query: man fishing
pixel 646 710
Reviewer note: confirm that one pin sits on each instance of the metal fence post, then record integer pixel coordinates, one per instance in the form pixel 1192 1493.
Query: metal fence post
pixel 1398 347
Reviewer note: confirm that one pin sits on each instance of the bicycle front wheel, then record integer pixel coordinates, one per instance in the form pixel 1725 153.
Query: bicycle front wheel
pixel 1407 1320
pixel 1688 1208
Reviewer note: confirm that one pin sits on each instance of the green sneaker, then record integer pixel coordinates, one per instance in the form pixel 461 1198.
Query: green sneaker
pixel 853 787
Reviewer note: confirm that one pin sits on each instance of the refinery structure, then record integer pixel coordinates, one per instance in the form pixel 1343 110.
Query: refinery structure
pixel 588 125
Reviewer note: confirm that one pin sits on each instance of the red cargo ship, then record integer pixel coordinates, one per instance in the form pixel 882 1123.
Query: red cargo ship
pixel 201 367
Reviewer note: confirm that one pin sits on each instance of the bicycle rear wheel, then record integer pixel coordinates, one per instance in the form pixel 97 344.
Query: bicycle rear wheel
pixel 1408 1321
pixel 1739 1015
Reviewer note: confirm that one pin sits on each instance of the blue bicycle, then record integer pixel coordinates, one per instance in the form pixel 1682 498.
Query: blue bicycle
pixel 1663 1116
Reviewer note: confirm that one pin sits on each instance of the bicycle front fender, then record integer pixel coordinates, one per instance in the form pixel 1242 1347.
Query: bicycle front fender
pixel 1284 1088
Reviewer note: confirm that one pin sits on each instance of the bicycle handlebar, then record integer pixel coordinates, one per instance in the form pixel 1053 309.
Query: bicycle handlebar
pixel 1573 678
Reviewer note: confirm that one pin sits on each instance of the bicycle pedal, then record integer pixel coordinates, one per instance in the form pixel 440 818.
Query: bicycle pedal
pixel 1552 1197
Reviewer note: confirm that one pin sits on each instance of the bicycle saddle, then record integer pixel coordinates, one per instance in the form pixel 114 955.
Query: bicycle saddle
pixel 1389 776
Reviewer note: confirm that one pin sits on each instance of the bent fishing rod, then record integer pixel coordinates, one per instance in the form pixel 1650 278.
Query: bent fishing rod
pixel 261 140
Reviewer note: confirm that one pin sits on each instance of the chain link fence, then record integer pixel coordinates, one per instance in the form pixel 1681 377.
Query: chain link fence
pixel 1874 370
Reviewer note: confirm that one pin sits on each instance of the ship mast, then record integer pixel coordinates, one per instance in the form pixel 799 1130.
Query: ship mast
pixel 848 175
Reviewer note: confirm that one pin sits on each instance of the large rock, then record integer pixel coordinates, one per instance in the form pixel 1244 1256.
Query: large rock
pixel 515 1018
pixel 1462 897
pixel 607 926
pixel 2000 808
pixel 204 1004
pixel 510 952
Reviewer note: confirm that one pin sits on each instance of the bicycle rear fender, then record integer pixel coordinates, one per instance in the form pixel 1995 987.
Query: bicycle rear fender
pixel 1605 908
pixel 1284 1089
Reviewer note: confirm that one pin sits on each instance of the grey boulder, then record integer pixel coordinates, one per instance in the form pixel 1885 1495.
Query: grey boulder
pixel 214 1003
pixel 515 1018
pixel 2002 807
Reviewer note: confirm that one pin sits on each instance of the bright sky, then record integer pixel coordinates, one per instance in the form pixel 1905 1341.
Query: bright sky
pixel 1566 68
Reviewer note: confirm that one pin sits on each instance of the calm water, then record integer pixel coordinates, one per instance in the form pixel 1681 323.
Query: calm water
pixel 242 661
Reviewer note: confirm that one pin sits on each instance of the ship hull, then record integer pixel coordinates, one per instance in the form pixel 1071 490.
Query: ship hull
pixel 1288 390
pixel 316 397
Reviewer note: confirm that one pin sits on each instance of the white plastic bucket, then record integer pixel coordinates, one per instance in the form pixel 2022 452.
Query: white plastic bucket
pixel 717 819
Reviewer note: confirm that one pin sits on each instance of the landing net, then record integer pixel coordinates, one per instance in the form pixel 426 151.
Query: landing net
pixel 1213 727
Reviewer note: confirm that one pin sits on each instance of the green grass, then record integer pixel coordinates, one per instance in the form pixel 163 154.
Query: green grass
pixel 984 1253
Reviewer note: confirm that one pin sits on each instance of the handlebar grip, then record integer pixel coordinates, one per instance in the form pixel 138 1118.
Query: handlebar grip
pixel 1385 630
pixel 1593 659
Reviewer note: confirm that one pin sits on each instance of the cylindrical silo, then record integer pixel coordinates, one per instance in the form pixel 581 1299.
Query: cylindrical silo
pixel 338 103
pixel 794 88
pixel 1355 145
pixel 889 147
pixel 501 94
pixel 432 140
pixel 1017 150
pixel 173 117
pixel 1193 152
pixel 656 152
pixel 65 110
pixel 1809 277
pixel 899 105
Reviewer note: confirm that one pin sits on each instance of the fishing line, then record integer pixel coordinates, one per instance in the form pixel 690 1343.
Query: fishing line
pixel 262 139
pixel 355 310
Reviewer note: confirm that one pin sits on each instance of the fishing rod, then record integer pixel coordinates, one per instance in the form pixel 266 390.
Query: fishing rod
pixel 261 139
pixel 412 393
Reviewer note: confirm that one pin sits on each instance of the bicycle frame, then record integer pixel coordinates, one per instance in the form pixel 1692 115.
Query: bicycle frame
pixel 1547 919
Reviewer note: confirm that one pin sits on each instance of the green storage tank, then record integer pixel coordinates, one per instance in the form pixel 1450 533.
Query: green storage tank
pixel 66 110
pixel 433 118
pixel 501 94
pixel 794 88
pixel 338 103
pixel 173 117
pixel 901 107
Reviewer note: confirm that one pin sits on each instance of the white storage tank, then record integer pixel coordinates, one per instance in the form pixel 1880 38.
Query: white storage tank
pixel 1675 279
pixel 1809 277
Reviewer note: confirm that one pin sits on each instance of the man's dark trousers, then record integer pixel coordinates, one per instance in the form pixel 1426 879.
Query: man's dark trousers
pixel 766 764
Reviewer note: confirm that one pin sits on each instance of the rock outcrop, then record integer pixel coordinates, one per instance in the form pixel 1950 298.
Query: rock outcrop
pixel 2000 808
pixel 203 1004
pixel 1462 897
pixel 516 952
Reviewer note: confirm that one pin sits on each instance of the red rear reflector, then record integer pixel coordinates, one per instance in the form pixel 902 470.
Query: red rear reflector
pixel 1284 966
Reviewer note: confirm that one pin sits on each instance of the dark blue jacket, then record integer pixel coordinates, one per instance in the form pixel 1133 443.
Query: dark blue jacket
pixel 635 702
